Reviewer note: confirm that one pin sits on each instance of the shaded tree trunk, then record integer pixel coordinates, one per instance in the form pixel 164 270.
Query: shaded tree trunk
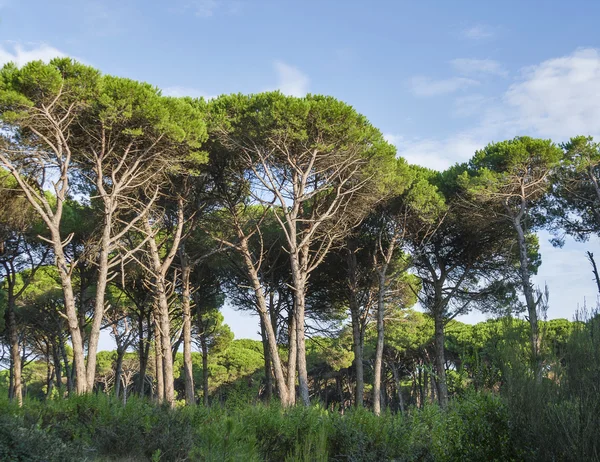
pixel 15 389
pixel 204 347
pixel 440 361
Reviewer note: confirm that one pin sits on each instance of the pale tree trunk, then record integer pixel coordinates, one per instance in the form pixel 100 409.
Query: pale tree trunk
pixel 190 398
pixel 380 340
pixel 268 373
pixel 15 391
pixel 292 358
pixel 72 319
pixel 263 312
pixel 101 281
pixel 165 336
pixel 160 383
pixel 299 279
pixel 528 292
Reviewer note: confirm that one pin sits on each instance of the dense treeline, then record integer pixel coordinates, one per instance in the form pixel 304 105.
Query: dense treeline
pixel 127 211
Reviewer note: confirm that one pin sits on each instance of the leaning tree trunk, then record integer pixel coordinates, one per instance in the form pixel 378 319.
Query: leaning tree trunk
pixel 529 296
pixel 263 312
pixel 268 373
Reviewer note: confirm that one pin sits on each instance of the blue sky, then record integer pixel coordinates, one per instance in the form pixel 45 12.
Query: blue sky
pixel 440 79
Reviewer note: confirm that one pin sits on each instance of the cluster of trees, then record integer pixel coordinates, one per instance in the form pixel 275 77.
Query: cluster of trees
pixel 126 210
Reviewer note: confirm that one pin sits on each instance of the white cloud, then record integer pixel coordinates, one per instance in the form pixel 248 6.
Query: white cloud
pixel 178 91
pixel 556 99
pixel 478 32
pixel 393 138
pixel 560 97
pixel 467 66
pixel 425 86
pixel 290 80
pixel 20 55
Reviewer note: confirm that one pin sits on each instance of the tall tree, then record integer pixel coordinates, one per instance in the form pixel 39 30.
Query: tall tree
pixel 318 165
pixel 511 180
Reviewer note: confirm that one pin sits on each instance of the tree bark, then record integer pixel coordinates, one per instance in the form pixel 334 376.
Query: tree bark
pixel 590 256
pixel 299 279
pixel 268 373
pixel 396 375
pixel 118 371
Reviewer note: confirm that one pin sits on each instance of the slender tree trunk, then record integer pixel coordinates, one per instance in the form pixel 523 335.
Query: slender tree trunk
pixel 292 357
pixel 204 348
pixel 380 340
pixel 268 374
pixel 72 319
pixel 190 399
pixel 160 384
pixel 396 375
pixel 15 391
pixel 299 279
pixel 263 312
pixel 119 371
pixel 57 366
pixel 165 336
pixel 440 361
pixel 143 357
pixel 590 256
pixel 529 295
pixel 101 281
pixel 358 347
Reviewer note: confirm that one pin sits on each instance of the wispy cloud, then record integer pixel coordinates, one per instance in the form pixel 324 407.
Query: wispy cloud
pixel 21 55
pixel 426 86
pixel 210 8
pixel 479 32
pixel 179 91
pixel 290 80
pixel 475 67
pixel 557 99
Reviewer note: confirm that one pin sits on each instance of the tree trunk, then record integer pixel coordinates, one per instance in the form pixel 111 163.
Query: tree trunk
pixel 268 373
pixel 590 256
pixel 160 384
pixel 101 281
pixel 299 279
pixel 380 339
pixel 190 399
pixel 119 371
pixel 440 361
pixel 396 375
pixel 263 312
pixel 292 357
pixel 528 293
pixel 165 337
pixel 204 347
pixel 15 391
pixel 72 319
